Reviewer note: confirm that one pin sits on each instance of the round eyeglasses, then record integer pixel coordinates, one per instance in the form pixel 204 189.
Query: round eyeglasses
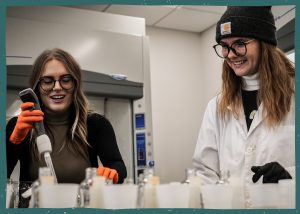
pixel 47 83
pixel 238 48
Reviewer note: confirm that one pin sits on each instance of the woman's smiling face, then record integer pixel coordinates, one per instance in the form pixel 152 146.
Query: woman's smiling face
pixel 57 100
pixel 243 65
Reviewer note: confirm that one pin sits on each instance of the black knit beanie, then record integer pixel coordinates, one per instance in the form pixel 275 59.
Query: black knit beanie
pixel 253 22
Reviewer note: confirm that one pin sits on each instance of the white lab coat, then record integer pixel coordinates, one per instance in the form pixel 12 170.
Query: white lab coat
pixel 230 146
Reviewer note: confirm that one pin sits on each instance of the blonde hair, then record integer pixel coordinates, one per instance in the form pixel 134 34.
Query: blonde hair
pixel 276 78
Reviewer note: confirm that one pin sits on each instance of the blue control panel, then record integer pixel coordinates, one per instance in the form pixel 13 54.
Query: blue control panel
pixel 141 149
pixel 140 121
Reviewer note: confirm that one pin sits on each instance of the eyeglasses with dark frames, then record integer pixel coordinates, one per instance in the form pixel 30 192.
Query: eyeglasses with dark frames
pixel 47 83
pixel 239 48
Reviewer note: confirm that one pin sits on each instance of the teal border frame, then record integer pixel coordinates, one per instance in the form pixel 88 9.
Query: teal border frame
pixel 5 3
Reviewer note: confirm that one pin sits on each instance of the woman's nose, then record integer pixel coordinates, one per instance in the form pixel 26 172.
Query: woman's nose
pixel 231 54
pixel 57 85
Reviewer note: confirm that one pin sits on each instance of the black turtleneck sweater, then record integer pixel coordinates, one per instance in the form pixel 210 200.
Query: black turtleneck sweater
pixel 69 166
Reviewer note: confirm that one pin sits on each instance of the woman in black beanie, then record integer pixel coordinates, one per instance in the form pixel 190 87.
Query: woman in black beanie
pixel 249 128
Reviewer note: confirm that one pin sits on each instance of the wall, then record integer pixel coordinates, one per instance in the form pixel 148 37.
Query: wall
pixel 211 65
pixel 181 65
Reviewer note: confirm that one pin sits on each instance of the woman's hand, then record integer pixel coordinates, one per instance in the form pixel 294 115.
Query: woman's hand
pixel 108 173
pixel 25 122
pixel 271 172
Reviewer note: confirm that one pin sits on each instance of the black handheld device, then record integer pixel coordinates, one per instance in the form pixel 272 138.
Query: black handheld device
pixel 28 95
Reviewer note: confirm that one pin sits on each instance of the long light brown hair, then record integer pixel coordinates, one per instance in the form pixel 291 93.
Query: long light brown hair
pixel 77 133
pixel 276 80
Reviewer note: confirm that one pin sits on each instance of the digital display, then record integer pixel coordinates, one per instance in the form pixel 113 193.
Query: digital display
pixel 140 121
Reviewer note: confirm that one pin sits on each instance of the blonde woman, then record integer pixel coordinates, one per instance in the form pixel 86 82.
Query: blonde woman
pixel 78 137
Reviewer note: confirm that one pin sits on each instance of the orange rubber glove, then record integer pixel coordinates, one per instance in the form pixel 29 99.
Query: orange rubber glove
pixel 109 173
pixel 25 122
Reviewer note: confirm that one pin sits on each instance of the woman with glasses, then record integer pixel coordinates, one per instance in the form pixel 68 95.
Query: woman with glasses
pixel 78 136
pixel 248 129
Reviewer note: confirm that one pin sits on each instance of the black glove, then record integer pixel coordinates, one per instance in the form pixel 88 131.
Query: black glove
pixel 272 172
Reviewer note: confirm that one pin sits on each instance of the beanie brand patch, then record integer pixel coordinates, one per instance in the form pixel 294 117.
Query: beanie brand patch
pixel 225 28
pixel 247 21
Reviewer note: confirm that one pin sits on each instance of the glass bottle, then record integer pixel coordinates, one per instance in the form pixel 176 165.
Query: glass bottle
pixel 45 178
pixel 83 199
pixel 12 194
pixel 84 196
pixel 189 173
pixel 143 180
pixel 141 186
pixel 224 177
pixel 194 182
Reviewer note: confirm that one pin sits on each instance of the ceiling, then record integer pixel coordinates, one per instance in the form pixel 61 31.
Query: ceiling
pixel 179 17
